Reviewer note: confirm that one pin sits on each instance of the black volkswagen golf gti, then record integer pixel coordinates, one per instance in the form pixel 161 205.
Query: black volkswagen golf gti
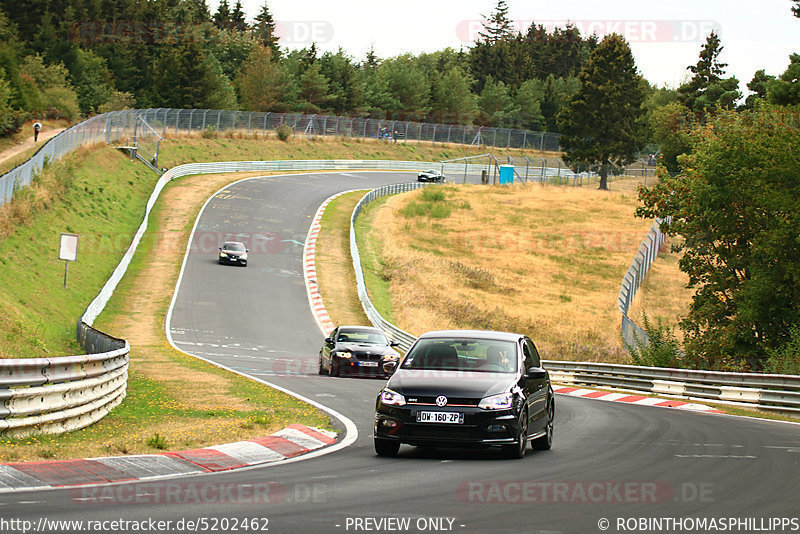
pixel 467 388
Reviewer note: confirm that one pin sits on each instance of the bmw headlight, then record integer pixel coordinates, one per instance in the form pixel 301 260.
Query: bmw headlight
pixel 223 255
pixel 243 256
pixel 343 354
pixel 392 398
pixel 503 401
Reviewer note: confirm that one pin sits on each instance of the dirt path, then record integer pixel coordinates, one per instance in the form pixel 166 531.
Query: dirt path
pixel 28 143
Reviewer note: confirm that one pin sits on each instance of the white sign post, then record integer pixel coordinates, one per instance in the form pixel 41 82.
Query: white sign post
pixel 68 251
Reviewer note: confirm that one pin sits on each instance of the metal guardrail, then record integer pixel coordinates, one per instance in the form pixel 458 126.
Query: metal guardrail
pixel 647 253
pixel 55 395
pixel 780 393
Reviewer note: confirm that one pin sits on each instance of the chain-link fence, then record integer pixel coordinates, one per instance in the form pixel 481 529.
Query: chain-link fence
pixel 645 256
pixel 144 129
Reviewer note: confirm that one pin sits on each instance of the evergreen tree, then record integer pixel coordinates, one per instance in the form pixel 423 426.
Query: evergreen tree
pixel 188 78
pixel 497 26
pixel 497 108
pixel 601 124
pixel 407 86
pixel 529 101
pixel 238 22
pixel 758 86
pixel 264 28
pixel 707 90
pixel 451 98
pixel 222 18
pixel 557 92
pixel 785 90
pixel 346 87
pixel 313 89
pixel 263 83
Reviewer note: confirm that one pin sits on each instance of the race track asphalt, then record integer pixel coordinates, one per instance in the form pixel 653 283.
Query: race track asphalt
pixel 624 464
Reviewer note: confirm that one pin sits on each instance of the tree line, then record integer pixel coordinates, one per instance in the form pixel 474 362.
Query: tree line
pixel 65 58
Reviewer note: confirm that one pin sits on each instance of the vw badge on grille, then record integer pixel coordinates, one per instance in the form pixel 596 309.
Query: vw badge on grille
pixel 441 400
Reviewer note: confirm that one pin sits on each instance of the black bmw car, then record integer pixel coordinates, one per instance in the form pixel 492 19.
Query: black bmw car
pixel 467 388
pixel 233 253
pixel 356 350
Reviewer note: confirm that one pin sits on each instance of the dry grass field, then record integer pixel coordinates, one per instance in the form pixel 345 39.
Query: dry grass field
pixel 544 260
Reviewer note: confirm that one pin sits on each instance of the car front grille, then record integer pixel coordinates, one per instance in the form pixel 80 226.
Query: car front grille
pixel 451 401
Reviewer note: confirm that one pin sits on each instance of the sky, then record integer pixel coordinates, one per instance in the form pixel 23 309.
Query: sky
pixel 665 36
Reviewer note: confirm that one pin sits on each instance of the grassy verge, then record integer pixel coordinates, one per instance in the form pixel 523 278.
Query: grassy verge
pixel 377 273
pixel 337 281
pixel 542 260
pixel 95 193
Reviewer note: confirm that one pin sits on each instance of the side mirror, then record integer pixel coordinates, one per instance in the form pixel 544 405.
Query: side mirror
pixel 220 248
pixel 536 373
pixel 394 343
pixel 390 367
pixel 247 250
pixel 328 340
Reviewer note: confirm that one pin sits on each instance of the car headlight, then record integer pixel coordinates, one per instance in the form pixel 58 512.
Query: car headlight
pixel 392 398
pixel 223 255
pixel 391 357
pixel 503 401
pixel 343 354
pixel 243 256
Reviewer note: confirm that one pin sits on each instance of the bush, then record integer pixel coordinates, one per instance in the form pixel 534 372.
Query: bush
pixel 662 348
pixel 786 360
pixel 62 103
pixel 284 132
pixel 210 132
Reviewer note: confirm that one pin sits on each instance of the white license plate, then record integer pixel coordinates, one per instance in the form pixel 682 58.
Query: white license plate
pixel 368 364
pixel 440 417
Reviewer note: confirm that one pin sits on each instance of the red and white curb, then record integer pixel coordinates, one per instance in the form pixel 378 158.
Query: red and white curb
pixel 633 399
pixel 310 269
pixel 292 441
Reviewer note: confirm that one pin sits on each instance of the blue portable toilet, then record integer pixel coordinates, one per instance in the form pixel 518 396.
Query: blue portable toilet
pixel 506 174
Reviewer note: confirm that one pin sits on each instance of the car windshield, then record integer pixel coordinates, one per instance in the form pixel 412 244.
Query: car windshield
pixel 368 337
pixel 233 247
pixel 453 354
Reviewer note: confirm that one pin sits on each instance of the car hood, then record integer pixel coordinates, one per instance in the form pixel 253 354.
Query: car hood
pixel 233 252
pixel 365 347
pixel 411 382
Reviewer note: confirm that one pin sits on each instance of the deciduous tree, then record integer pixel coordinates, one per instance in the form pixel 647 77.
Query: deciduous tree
pixel 736 209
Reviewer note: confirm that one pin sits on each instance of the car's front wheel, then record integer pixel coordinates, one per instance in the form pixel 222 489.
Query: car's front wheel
pixel 386 447
pixel 321 367
pixel 545 443
pixel 517 450
pixel 333 370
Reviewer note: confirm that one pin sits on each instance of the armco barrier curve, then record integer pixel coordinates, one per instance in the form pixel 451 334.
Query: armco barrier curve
pixel 779 393
pixel 55 395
